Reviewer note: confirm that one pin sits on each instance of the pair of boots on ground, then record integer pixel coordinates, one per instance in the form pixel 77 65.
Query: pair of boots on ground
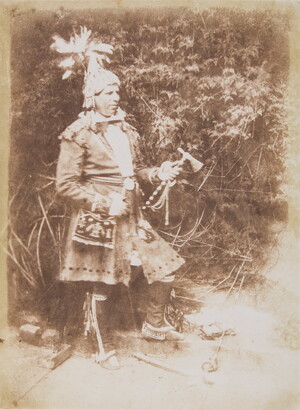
pixel 98 324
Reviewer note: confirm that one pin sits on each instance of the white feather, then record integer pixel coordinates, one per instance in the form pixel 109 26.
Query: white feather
pixel 101 58
pixel 62 46
pixel 84 51
pixel 80 41
pixel 67 74
pixel 103 48
pixel 93 65
pixel 67 62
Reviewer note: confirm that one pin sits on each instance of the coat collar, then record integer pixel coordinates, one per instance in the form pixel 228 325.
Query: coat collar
pixel 98 122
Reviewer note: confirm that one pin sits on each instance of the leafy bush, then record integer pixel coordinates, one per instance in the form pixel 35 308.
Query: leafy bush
pixel 212 82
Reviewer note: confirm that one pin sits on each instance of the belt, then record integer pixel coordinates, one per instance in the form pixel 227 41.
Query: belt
pixel 127 182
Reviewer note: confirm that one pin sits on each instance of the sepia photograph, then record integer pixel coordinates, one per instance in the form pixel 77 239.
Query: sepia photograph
pixel 150 205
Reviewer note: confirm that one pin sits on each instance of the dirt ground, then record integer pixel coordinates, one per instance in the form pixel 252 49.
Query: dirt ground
pixel 258 367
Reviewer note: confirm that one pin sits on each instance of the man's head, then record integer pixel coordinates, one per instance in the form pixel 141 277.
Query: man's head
pixel 101 92
pixel 106 102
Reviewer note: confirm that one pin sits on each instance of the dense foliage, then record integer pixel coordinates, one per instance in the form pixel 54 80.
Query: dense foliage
pixel 212 82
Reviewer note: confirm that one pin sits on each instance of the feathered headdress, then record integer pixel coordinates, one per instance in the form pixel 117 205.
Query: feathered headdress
pixel 83 53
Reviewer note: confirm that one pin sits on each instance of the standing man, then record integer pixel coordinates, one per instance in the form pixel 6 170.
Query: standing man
pixel 98 172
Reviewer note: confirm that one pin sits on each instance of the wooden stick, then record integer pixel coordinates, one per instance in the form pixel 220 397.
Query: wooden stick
pixel 55 359
pixel 155 363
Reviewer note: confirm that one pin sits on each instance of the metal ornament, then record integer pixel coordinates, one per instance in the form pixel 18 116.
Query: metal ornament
pixel 129 184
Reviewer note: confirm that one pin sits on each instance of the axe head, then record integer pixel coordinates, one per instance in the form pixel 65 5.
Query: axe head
pixel 196 165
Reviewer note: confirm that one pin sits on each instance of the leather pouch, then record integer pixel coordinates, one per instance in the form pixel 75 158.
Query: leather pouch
pixel 92 229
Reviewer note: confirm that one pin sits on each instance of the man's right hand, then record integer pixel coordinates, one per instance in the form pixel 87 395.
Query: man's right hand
pixel 119 206
pixel 169 171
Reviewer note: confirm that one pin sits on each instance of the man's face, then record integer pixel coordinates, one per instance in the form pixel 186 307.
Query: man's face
pixel 107 101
